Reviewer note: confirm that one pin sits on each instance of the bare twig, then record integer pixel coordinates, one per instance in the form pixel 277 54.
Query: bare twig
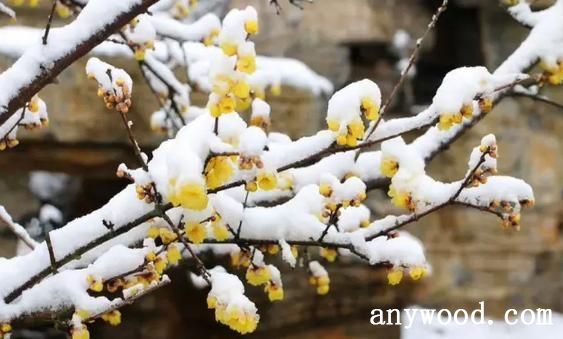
pixel 51 253
pixel 539 98
pixel 49 22
pixel 412 60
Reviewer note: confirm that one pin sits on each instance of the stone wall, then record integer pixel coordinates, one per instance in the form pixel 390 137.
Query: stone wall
pixel 473 258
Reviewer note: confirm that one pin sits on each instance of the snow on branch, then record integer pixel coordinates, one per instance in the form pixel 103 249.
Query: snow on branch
pixel 41 64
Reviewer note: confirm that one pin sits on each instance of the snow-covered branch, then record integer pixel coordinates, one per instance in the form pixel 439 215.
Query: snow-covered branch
pixel 41 64
pixel 235 187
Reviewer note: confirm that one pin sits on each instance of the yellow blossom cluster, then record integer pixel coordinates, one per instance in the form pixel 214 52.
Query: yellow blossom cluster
pixel 119 99
pixel 395 275
pixel 188 194
pixel 233 316
pixel 447 120
pixel 322 283
pixel 230 89
pixel 326 189
pixel 353 132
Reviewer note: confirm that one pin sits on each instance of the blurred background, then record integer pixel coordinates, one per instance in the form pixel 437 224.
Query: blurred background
pixel 71 165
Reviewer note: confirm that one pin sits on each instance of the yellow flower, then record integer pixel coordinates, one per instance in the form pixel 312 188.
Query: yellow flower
pixel 394 277
pixel 251 27
pixel 220 231
pixel 251 186
pixel 356 129
pixel 167 236
pixel 173 255
pixel 195 232
pixel 274 292
pixel 389 166
pixel 446 122
pixel 417 272
pixel 241 90
pixel 246 64
pixel 81 333
pixel 150 256
pixel 364 223
pixel 351 141
pixel 153 232
pixel 333 125
pixel 190 195
pixel 210 39
pixel 486 105
pixel 140 53
pixel 370 109
pixel 341 140
pixel 229 49
pixel 467 110
pixel 62 10
pixel 226 105
pixel 82 314
pixel 400 199
pixel 240 258
pixel 323 289
pixel 236 319
pixel 33 105
pixel 211 302
pixel 294 251
pixel 325 190
pixel 273 249
pixel 257 276
pixel 160 264
pixel 218 171
pixel 113 318
pixel 96 283
pixel 329 254
pixel 276 90
pixel 6 328
pixel 267 181
pixel 243 104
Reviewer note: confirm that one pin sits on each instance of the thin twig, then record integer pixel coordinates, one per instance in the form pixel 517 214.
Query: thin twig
pixel 51 253
pixel 539 98
pixel 412 59
pixel 49 22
